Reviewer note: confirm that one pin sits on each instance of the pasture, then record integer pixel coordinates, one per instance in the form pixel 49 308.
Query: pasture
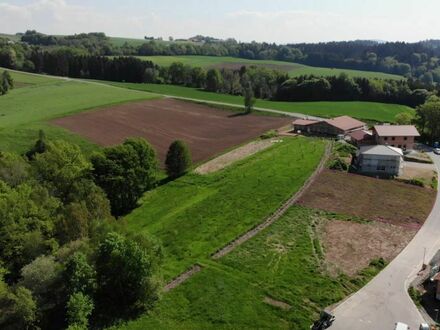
pixel 369 111
pixel 273 281
pixel 25 110
pixel 206 130
pixel 293 69
pixel 203 213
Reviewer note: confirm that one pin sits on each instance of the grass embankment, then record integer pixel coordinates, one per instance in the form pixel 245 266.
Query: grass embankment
pixel 25 110
pixel 293 69
pixel 283 263
pixel 370 111
pixel 196 215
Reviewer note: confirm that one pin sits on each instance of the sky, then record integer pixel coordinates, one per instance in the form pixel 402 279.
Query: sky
pixel 280 21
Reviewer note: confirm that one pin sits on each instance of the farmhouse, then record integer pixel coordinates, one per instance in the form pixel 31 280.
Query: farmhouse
pixel 361 137
pixel 401 136
pixel 331 127
pixel 380 160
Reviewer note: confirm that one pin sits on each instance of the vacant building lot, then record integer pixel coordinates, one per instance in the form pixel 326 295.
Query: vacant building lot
pixel 369 198
pixel 206 130
pixel 350 246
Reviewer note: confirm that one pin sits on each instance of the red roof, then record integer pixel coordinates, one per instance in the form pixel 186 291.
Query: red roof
pixel 360 135
pixel 304 122
pixel 345 123
pixel 396 130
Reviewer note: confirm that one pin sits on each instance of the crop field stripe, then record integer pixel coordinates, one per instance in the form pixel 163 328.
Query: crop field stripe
pixel 278 213
pixel 256 230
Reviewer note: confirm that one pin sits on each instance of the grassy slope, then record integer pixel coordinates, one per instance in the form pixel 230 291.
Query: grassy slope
pixel 294 69
pixel 281 262
pixel 196 215
pixel 25 110
pixel 371 111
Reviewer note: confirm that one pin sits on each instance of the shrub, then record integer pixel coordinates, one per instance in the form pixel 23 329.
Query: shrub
pixel 269 134
pixel 178 159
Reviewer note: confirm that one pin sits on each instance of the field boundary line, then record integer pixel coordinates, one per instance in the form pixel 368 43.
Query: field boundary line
pixel 182 277
pixel 278 213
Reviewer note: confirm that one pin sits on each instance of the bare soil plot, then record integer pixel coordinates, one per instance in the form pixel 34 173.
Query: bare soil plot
pixel 230 157
pixel 206 130
pixel 412 170
pixel 369 198
pixel 350 246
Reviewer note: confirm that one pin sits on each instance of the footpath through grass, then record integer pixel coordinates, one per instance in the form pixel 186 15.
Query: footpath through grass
pixel 294 69
pixel 370 111
pixel 284 262
pixel 25 110
pixel 196 215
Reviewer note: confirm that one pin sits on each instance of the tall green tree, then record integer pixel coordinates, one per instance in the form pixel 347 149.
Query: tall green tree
pixel 428 119
pixel 124 277
pixel 17 306
pixel 249 99
pixel 79 309
pixel 125 172
pixel 39 147
pixel 178 159
pixel 214 80
pixel 404 118
pixel 6 82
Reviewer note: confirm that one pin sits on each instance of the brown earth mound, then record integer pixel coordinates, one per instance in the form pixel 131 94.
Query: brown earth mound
pixel 206 130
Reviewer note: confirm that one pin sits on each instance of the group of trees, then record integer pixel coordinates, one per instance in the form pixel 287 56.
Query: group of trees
pixel 64 259
pixel 6 83
pixel 428 119
pixel 420 60
pixel 342 88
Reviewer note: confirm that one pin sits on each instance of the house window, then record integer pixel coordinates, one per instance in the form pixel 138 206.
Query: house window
pixel 385 138
pixel 405 138
pixel 404 146
pixel 400 146
pixel 393 138
pixel 380 168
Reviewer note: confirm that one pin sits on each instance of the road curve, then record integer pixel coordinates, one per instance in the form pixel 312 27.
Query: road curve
pixel 384 300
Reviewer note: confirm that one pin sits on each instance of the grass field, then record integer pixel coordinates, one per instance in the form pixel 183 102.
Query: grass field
pixel 294 69
pixel 370 111
pixel 25 110
pixel 196 215
pixel 283 263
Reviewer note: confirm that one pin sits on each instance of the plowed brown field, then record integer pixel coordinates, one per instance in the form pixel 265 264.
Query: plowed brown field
pixel 206 130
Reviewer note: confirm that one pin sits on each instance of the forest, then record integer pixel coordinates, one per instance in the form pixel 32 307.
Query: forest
pixel 420 60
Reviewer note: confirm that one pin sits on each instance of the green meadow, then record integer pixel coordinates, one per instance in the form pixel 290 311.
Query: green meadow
pixel 293 69
pixel 203 213
pixel 369 111
pixel 28 108
pixel 283 263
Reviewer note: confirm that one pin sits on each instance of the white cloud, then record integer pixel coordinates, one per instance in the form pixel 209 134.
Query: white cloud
pixel 61 17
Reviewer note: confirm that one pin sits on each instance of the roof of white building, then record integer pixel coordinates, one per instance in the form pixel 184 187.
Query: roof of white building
pixel 381 150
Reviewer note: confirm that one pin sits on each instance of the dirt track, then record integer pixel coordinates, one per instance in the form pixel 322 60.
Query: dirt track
pixel 206 130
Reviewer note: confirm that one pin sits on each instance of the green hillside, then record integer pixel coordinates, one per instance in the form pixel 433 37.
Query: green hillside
pixel 294 69
pixel 370 111
pixel 25 110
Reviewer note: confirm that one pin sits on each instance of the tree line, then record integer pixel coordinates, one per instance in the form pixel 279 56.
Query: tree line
pixel 63 254
pixel 263 82
pixel 420 60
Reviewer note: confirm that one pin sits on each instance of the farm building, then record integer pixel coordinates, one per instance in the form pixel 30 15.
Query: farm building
pixel 331 127
pixel 380 160
pixel 361 137
pixel 401 136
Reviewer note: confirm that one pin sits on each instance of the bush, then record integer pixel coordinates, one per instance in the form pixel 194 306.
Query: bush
pixel 269 134
pixel 178 159
pixel 345 149
pixel 338 164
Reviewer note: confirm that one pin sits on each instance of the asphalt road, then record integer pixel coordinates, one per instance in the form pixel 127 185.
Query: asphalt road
pixel 384 301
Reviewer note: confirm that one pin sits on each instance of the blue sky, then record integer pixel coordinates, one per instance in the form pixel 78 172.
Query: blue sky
pixel 278 21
